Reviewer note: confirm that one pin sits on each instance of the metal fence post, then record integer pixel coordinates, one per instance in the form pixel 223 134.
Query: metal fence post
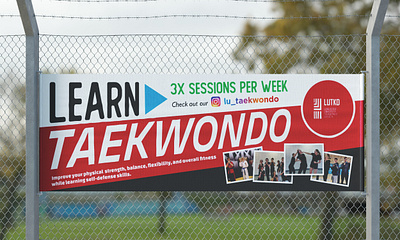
pixel 32 118
pixel 372 98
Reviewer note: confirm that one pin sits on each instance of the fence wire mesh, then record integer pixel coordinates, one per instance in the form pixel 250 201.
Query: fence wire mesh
pixel 12 132
pixel 195 215
pixel 390 144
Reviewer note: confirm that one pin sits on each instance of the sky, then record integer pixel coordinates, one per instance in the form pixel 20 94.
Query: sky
pixel 130 8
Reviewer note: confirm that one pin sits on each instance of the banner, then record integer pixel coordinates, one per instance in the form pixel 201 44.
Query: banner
pixel 201 132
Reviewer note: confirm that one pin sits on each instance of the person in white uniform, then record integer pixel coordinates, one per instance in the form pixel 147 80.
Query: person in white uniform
pixel 244 165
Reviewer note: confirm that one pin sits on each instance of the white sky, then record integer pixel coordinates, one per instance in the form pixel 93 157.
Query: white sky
pixel 177 25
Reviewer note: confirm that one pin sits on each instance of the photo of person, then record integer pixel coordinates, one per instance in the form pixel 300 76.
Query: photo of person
pixel 291 164
pixel 327 165
pixel 244 164
pixel 337 169
pixel 303 159
pixel 270 168
pixel 239 165
pixel 230 170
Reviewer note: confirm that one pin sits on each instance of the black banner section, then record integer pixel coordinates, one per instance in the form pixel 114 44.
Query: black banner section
pixel 214 180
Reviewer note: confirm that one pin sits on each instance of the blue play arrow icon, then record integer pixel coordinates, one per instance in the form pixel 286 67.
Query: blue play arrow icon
pixel 152 99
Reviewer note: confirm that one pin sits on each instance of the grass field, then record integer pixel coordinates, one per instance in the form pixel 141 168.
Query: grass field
pixel 197 226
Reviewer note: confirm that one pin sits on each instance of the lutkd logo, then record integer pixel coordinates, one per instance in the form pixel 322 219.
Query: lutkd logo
pixel 328 109
pixel 317 108
pixel 325 107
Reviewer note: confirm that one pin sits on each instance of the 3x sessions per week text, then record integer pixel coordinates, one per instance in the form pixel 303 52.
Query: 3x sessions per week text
pixel 228 87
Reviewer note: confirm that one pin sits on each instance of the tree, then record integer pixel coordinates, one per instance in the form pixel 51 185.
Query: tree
pixel 328 45
pixel 332 43
pixel 323 43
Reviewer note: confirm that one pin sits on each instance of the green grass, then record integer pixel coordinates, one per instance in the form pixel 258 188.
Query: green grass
pixel 237 226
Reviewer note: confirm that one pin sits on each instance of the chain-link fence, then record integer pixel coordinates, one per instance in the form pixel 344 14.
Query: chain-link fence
pixel 195 215
pixel 199 215
pixel 390 145
pixel 12 133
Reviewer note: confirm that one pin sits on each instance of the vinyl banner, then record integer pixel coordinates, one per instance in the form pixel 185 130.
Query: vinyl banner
pixel 201 132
